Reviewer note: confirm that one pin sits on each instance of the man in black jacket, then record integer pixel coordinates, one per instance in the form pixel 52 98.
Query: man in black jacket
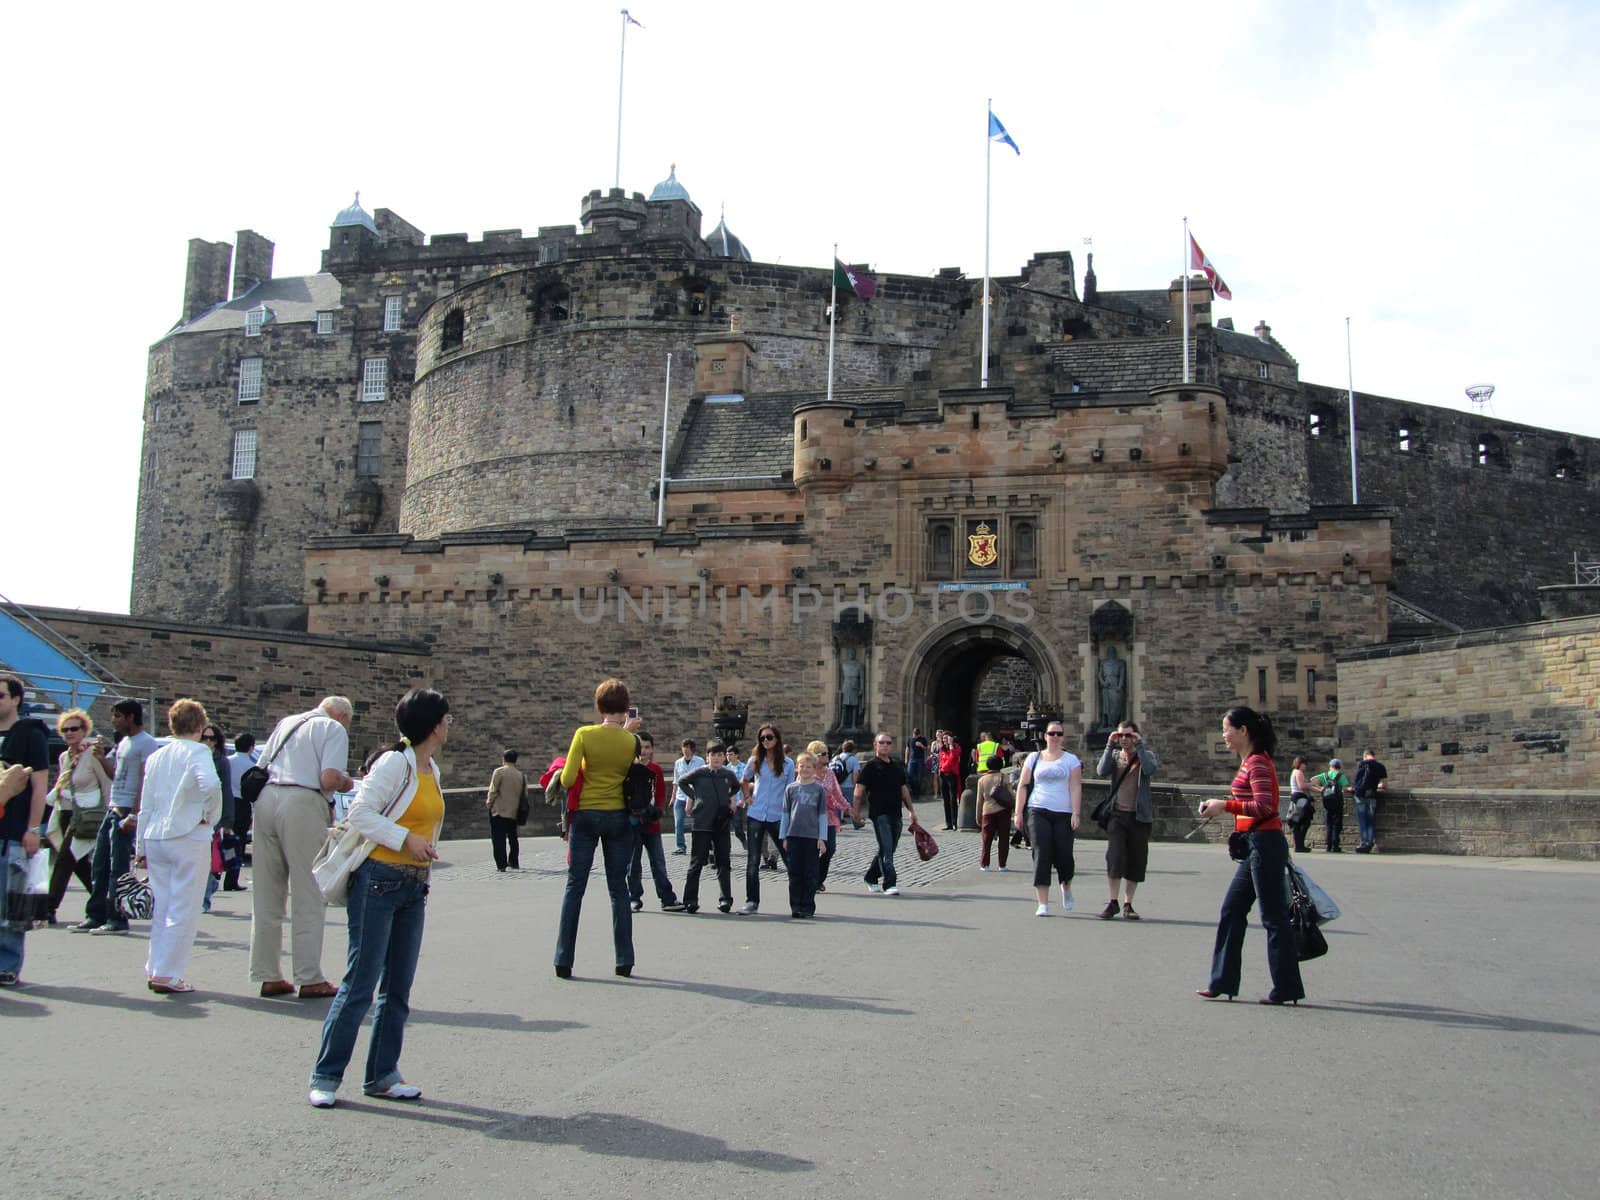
pixel 1370 780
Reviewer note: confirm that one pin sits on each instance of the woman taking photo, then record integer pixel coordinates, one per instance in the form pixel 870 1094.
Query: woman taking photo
pixel 603 753
pixel 1049 798
pixel 399 810
pixel 179 805
pixel 1264 872
pixel 80 795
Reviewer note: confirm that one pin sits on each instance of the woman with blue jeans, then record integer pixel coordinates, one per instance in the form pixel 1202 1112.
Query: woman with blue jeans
pixel 603 753
pixel 399 810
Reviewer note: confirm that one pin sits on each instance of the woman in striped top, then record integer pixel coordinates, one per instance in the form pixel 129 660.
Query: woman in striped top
pixel 1254 805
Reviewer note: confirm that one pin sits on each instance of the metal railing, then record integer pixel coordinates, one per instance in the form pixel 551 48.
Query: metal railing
pixel 43 629
pixel 1585 574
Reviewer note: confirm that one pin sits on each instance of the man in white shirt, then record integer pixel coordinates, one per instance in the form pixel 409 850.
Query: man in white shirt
pixel 688 761
pixel 305 760
pixel 244 757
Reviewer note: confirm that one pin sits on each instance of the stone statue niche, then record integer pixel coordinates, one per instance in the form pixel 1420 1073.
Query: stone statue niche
pixel 852 652
pixel 1110 639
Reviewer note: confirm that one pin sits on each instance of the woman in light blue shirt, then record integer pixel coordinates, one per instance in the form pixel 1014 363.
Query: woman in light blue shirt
pixel 766 780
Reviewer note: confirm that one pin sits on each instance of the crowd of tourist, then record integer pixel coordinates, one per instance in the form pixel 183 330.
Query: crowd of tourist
pixel 180 811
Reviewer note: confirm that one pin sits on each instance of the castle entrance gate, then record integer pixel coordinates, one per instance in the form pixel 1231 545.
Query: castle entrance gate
pixel 966 677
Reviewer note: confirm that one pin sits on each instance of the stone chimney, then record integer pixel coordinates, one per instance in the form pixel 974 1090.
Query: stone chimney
pixel 1264 332
pixel 205 280
pixel 1091 289
pixel 1199 302
pixel 252 261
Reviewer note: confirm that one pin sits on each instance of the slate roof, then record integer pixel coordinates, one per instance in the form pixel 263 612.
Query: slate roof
pixel 1150 303
pixel 1248 345
pixel 1132 365
pixel 297 298
pixel 754 436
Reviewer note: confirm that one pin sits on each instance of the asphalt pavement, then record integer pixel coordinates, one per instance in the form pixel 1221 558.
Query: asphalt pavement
pixel 945 1042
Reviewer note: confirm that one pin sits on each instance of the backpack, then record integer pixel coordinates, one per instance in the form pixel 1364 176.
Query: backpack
pixel 840 769
pixel 1330 788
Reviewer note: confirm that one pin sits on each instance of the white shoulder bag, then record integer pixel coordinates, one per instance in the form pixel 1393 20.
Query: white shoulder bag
pixel 343 850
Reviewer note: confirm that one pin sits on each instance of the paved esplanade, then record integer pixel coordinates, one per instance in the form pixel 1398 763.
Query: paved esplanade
pixel 943 1043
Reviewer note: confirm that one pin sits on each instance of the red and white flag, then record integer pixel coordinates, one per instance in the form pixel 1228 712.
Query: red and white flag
pixel 1197 258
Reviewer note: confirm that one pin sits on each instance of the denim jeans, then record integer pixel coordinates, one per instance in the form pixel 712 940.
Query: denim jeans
pixel 611 832
pixel 387 907
pixel 658 869
pixel 680 819
pixel 113 851
pixel 1367 819
pixel 1333 821
pixel 756 834
pixel 887 829
pixel 1263 876
pixel 11 939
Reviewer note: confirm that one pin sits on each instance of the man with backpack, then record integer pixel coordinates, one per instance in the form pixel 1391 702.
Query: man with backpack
pixel 1332 784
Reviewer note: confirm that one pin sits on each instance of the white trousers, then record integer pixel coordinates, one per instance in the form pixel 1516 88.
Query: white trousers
pixel 178 870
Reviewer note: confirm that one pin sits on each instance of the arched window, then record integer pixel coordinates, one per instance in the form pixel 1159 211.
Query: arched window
pixel 941 550
pixel 454 331
pixel 1024 548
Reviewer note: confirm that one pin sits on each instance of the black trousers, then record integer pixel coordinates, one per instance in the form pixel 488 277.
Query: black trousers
pixel 1052 845
pixel 802 859
pixel 66 866
pixel 701 844
pixel 503 832
pixel 950 793
pixel 756 834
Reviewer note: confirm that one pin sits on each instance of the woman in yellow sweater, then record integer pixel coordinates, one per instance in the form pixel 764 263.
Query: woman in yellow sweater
pixel 400 810
pixel 603 752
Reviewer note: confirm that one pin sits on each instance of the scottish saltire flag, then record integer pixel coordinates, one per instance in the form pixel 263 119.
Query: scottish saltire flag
pixel 997 133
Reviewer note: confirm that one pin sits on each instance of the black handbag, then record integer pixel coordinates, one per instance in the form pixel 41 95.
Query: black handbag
pixel 255 778
pixel 1239 845
pixel 1303 919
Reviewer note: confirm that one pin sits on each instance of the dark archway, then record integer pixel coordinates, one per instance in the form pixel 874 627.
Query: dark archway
pixel 965 674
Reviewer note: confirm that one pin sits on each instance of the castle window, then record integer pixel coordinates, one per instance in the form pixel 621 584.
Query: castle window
pixel 454 331
pixel 252 321
pixel 369 449
pixel 941 550
pixel 391 313
pixel 375 379
pixel 244 454
pixel 1024 548
pixel 1316 424
pixel 1491 453
pixel 324 322
pixel 1261 685
pixel 1311 685
pixel 249 380
pixel 1566 464
pixel 1403 440
pixel 1261 370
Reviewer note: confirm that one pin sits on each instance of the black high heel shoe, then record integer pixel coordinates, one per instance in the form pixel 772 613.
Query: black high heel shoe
pixel 1275 1001
pixel 1209 994
pixel 563 972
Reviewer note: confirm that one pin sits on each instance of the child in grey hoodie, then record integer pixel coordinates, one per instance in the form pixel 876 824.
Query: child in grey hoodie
pixel 803 830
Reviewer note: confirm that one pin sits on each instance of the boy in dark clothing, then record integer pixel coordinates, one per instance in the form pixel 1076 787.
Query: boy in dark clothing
pixel 712 790
pixel 648 840
pixel 803 833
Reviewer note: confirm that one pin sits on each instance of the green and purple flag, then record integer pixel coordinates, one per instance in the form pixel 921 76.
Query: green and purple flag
pixel 863 285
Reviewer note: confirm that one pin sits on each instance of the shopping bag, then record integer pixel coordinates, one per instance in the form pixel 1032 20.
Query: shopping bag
pixel 926 846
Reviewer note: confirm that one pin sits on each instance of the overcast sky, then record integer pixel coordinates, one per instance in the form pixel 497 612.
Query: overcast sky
pixel 1417 167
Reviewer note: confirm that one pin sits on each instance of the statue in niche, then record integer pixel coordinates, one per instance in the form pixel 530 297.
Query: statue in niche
pixel 1113 680
pixel 852 690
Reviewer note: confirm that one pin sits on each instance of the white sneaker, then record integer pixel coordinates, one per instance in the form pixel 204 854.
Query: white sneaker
pixel 320 1098
pixel 1066 899
pixel 1042 911
pixel 398 1091
pixel 981 867
pixel 874 887
pixel 893 891
pixel 1003 869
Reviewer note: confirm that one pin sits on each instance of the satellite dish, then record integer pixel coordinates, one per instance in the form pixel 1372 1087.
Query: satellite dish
pixel 1479 394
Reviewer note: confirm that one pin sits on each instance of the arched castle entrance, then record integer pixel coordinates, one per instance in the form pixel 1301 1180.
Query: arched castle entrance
pixel 964 677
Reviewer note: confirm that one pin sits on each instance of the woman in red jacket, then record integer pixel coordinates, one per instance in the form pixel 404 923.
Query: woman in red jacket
pixel 1254 805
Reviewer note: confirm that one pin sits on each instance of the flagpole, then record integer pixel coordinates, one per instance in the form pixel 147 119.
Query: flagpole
pixel 661 486
pixel 621 58
pixel 1186 256
pixel 833 312
pixel 988 152
pixel 1355 484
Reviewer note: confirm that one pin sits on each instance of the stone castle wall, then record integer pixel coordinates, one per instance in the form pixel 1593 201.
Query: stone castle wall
pixel 249 679
pixel 1475 539
pixel 1497 708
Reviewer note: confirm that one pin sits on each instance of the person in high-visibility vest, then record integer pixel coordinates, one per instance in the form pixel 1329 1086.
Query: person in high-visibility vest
pixel 987 748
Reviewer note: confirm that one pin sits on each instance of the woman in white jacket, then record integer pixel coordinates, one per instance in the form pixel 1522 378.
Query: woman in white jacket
pixel 179 806
pixel 399 810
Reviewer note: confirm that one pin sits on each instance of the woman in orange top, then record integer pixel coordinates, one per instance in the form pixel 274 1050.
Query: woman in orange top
pixel 400 809
pixel 1254 805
